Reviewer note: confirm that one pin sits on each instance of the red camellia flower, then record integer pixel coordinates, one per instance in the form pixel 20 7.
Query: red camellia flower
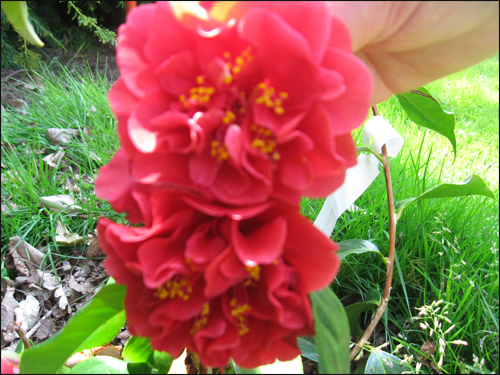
pixel 10 362
pixel 222 281
pixel 253 107
pixel 227 114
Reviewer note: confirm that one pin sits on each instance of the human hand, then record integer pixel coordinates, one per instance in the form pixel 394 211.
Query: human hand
pixel 409 44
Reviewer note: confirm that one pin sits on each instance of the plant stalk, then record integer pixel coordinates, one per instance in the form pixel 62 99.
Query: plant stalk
pixel 22 335
pixel 390 265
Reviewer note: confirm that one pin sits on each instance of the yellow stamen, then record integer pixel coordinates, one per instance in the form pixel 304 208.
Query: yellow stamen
pixel 239 61
pixel 199 324
pixel 199 80
pixel 219 151
pixel 238 311
pixel 173 289
pixel 254 273
pixel 279 110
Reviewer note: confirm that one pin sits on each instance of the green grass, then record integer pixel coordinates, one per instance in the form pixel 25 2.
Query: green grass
pixel 65 101
pixel 447 249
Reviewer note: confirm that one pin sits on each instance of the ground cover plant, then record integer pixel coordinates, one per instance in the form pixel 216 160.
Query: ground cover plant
pixel 447 249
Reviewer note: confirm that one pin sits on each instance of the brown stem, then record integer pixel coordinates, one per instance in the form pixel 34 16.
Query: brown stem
pixel 375 110
pixel 390 265
pixel 22 335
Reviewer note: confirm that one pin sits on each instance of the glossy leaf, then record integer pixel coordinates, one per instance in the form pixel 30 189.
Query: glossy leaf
pixel 308 349
pixel 20 346
pixel 372 301
pixel 139 368
pixel 332 332
pixel 91 326
pixel 357 246
pixel 474 185
pixel 380 362
pixel 425 111
pixel 162 361
pixel 17 14
pixel 139 349
pixel 100 365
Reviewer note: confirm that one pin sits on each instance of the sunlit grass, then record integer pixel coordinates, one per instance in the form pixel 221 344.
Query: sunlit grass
pixel 447 249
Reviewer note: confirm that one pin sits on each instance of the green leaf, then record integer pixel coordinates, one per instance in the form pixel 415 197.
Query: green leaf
pixel 308 349
pixel 162 361
pixel 139 349
pixel 358 247
pixel 64 370
pixel 474 185
pixel 20 346
pixel 332 332
pixel 100 365
pixel 90 326
pixel 17 14
pixel 372 301
pixel 425 111
pixel 139 368
pixel 380 362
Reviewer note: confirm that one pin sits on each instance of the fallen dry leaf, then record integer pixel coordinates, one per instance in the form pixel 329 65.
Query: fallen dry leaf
pixel 49 281
pixel 94 250
pixel 124 336
pixel 63 300
pixel 53 160
pixel 109 350
pixel 57 136
pixel 78 357
pixel 27 312
pixel 9 304
pixel 25 250
pixel 63 236
pixel 428 347
pixel 46 329
pixel 84 287
pixel 61 202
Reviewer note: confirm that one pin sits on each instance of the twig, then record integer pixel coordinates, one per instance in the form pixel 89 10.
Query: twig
pixel 33 330
pixel 390 265
pixel 22 335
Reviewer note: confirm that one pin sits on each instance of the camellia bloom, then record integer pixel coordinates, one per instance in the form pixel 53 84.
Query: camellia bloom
pixel 10 362
pixel 254 107
pixel 222 281
pixel 226 117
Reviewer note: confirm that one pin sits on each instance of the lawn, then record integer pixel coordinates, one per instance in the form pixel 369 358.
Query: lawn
pixel 447 249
